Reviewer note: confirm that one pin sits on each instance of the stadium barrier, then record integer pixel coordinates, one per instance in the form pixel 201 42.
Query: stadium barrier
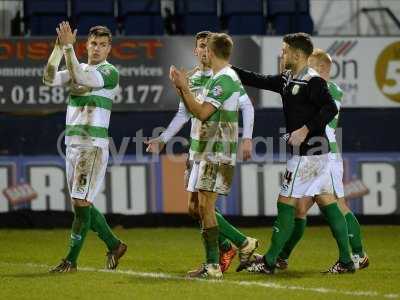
pixel 155 186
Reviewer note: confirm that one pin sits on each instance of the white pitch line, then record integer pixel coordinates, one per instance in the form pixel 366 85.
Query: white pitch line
pixel 269 285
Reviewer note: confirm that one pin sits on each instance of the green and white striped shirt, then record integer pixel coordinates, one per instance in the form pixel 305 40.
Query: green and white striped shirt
pixel 216 138
pixel 337 95
pixel 88 114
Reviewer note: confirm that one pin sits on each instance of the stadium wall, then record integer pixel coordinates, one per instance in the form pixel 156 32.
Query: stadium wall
pixel 141 189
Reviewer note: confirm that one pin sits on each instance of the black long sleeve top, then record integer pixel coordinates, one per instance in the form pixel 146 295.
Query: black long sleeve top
pixel 306 101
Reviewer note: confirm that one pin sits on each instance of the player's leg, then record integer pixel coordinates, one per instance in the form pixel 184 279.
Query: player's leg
pixel 201 204
pixel 225 246
pixel 300 221
pixel 360 258
pixel 281 232
pixel 282 229
pixel 228 231
pixel 116 248
pixel 353 227
pixel 245 245
pixel 80 227
pixel 210 235
pixel 337 223
pixel 78 163
pixel 291 192
pixel 209 225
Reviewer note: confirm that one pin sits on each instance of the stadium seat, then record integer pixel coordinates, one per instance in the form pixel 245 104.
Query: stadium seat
pixel 244 19
pixel 141 17
pixel 43 16
pixel 275 7
pixel 90 13
pixel 290 16
pixel 194 16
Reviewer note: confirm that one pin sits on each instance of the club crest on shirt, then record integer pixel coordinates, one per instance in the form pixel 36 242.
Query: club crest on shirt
pixel 217 91
pixel 105 71
pixel 295 89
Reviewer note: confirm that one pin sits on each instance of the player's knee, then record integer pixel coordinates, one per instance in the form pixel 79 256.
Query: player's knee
pixel 343 206
pixel 301 212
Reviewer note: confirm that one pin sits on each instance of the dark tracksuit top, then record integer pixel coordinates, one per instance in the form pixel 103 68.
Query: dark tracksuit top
pixel 306 101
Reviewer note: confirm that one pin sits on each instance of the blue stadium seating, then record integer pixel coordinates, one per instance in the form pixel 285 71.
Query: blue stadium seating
pixel 141 17
pixel 275 7
pixel 43 16
pixel 290 16
pixel 196 15
pixel 244 19
pixel 90 13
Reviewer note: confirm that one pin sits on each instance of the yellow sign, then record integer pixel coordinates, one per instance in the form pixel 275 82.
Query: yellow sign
pixel 387 71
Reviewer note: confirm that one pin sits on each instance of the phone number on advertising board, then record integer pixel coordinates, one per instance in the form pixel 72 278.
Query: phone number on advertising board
pixel 28 95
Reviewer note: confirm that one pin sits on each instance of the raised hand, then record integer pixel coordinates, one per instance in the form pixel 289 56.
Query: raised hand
pixel 65 34
pixel 178 77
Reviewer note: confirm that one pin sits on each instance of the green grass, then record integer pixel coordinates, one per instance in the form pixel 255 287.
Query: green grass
pixel 26 255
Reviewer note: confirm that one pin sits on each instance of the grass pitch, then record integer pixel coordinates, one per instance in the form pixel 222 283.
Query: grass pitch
pixel 157 260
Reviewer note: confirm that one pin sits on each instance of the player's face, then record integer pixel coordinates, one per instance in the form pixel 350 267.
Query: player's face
pixel 322 68
pixel 288 57
pixel 313 63
pixel 98 49
pixel 201 51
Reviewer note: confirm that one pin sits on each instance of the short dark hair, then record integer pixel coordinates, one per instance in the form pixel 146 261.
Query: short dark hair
pixel 201 35
pixel 300 41
pixel 98 31
pixel 221 44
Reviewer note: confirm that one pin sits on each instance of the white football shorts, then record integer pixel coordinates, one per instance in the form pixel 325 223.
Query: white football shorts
pixel 307 176
pixel 85 169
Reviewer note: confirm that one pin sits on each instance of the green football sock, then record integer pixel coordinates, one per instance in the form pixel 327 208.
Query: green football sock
pixel 223 243
pixel 230 232
pixel 282 230
pixel 297 234
pixel 354 230
pixel 338 226
pixel 210 241
pixel 80 227
pixel 99 225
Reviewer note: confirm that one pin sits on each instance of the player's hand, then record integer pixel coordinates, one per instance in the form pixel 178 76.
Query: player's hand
pixel 298 136
pixel 65 34
pixel 246 149
pixel 178 77
pixel 154 145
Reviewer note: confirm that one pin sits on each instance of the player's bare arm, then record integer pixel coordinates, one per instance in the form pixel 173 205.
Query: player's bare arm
pixel 203 110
